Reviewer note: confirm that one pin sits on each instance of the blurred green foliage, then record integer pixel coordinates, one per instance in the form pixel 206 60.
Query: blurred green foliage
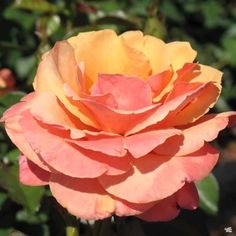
pixel 31 27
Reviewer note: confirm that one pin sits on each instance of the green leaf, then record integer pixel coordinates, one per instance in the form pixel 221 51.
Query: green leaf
pixel 29 197
pixel 53 25
pixel 208 190
pixel 3 197
pixel 36 6
pixel 9 99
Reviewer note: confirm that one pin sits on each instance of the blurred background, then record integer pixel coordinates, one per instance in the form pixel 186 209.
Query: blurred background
pixel 28 28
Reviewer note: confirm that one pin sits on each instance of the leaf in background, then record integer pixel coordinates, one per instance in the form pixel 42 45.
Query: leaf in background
pixel 53 25
pixel 25 19
pixel 212 13
pixel 3 197
pixel 11 157
pixel 169 9
pixel 29 197
pixel 37 6
pixel 155 27
pixel 25 65
pixel 208 190
pixel 9 99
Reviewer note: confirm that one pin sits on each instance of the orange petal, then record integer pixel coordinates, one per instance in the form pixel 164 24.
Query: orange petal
pixel 160 55
pixel 197 107
pixel 157 177
pixel 31 174
pixel 104 52
pixel 117 121
pixel 177 100
pixel 158 82
pixel 51 78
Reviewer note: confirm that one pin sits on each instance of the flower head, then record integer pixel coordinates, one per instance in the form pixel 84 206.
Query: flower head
pixel 118 125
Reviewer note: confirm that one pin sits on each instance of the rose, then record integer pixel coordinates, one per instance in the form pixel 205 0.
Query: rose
pixel 117 125
pixel 7 81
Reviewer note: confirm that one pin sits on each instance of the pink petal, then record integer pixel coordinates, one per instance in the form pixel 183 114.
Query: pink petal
pixel 157 177
pixel 127 97
pixel 113 146
pixel 187 196
pixel 164 210
pixel 67 158
pixel 205 129
pixel 84 198
pixel 31 174
pixel 167 209
pixel 11 121
pixel 167 111
pixel 142 143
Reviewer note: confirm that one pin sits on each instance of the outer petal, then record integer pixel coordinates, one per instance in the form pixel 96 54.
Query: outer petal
pixel 195 135
pixel 11 121
pixel 51 78
pixel 127 97
pixel 80 163
pixel 86 198
pixel 187 196
pixel 104 52
pixel 164 210
pixel 167 209
pixel 31 174
pixel 157 177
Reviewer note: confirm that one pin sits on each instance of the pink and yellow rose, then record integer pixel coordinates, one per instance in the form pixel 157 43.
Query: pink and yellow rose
pixel 118 125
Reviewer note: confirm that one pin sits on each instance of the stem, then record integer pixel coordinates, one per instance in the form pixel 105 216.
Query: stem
pixel 72 231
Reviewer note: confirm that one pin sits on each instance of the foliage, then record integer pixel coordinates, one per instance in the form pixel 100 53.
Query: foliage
pixel 31 27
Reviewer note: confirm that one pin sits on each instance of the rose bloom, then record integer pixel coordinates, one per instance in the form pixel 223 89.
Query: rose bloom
pixel 118 125
pixel 7 81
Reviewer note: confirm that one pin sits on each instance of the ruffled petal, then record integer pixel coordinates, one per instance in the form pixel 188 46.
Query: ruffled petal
pixel 180 97
pixel 141 144
pixel 79 163
pixel 206 129
pixel 157 177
